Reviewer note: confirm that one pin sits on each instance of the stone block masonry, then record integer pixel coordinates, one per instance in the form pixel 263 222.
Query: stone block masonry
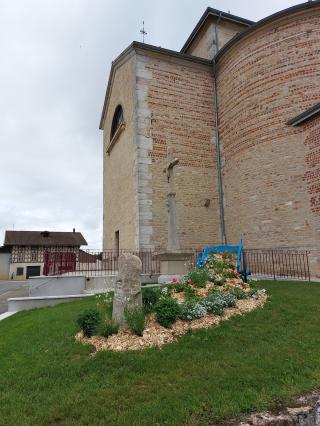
pixel 270 170
pixel 177 99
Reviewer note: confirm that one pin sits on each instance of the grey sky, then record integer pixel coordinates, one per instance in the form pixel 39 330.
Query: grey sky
pixel 55 58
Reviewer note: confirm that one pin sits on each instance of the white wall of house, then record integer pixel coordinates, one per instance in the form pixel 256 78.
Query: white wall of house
pixel 13 271
pixel 4 266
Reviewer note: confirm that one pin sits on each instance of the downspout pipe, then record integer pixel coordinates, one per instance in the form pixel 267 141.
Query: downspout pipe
pixel 218 151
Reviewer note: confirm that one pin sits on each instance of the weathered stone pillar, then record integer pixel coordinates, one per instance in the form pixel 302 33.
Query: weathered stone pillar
pixel 314 264
pixel 128 286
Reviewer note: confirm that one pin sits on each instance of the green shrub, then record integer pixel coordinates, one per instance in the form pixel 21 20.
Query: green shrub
pixel 199 278
pixel 213 290
pixel 150 297
pixel 135 319
pixel 230 274
pixel 88 321
pixel 252 292
pixel 218 281
pixel 253 283
pixel 230 299
pixel 179 287
pixel 190 311
pixel 191 295
pixel 167 311
pixel 238 293
pixel 214 304
pixel 108 327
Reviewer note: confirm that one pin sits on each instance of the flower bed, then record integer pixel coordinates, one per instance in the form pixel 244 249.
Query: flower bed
pixel 201 299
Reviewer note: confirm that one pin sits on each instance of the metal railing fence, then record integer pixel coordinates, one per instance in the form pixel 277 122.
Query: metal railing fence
pixel 271 263
pixel 277 263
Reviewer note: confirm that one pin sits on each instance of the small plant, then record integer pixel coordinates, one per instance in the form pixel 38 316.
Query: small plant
pixel 190 311
pixel 226 255
pixel 150 297
pixel 179 287
pixel 104 303
pixel 166 291
pixel 229 299
pixel 253 283
pixel 252 292
pixel 88 321
pixel 108 327
pixel 214 304
pixel 220 263
pixel 211 277
pixel 238 293
pixel 191 295
pixel 230 274
pixel 135 319
pixel 218 280
pixel 213 290
pixel 199 278
pixel 167 311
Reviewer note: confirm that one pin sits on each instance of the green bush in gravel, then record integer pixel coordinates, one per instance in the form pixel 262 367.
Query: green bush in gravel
pixel 88 321
pixel 167 311
pixel 150 297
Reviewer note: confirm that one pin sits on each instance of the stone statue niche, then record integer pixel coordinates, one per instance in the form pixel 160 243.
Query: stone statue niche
pixel 128 286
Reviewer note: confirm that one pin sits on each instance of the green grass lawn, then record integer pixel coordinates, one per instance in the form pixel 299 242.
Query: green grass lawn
pixel 248 363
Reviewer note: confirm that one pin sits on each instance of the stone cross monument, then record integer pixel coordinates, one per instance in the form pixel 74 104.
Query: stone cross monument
pixel 173 261
pixel 173 244
pixel 128 286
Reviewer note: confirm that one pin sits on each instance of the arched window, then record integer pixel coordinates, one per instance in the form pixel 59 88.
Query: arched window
pixel 117 120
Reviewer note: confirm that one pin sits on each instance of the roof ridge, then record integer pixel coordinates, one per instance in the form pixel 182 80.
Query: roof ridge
pixel 216 12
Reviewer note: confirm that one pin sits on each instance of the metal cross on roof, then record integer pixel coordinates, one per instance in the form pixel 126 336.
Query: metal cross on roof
pixel 143 31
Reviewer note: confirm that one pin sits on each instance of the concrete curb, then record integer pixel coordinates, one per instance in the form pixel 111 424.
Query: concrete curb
pixel 17 304
pixel 6 315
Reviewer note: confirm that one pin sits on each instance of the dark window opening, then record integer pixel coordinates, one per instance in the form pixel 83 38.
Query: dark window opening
pixel 117 120
pixel 117 243
pixel 19 271
pixel 33 271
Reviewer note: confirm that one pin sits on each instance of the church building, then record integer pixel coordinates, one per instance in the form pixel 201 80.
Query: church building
pixel 239 105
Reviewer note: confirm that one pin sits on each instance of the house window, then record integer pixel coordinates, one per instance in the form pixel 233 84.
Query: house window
pixel 19 271
pixel 20 255
pixel 117 121
pixel 34 255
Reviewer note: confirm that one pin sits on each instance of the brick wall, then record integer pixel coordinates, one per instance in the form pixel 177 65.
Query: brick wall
pixel 312 174
pixel 175 108
pixel 270 175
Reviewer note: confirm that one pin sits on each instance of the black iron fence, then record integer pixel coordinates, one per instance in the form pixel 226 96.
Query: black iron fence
pixel 95 262
pixel 269 263
pixel 277 263
pixel 98 263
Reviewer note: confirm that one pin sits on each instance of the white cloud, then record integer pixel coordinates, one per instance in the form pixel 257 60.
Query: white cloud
pixel 55 57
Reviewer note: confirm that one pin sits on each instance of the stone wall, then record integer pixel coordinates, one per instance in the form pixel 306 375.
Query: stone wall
pixel 175 108
pixel 204 44
pixel 270 174
pixel 119 181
